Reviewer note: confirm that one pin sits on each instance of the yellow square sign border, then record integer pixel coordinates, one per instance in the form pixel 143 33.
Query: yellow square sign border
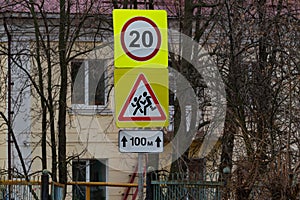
pixel 120 18
pixel 124 81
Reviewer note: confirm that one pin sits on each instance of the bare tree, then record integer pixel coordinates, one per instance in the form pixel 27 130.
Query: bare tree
pixel 195 19
pixel 69 25
pixel 254 45
pixel 257 77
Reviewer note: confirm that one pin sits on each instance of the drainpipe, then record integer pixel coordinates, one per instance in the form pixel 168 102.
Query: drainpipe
pixel 9 110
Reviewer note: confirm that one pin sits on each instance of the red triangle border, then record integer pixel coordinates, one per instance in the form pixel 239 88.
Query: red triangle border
pixel 162 116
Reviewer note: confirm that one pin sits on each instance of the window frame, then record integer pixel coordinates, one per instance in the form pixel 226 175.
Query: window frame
pixel 86 107
pixel 88 173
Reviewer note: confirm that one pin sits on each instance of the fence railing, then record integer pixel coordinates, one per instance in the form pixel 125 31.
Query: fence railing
pixel 20 189
pixel 183 186
pixel 164 186
pixel 89 185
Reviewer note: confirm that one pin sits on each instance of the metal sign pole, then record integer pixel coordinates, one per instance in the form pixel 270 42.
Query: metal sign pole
pixel 141 84
pixel 141 177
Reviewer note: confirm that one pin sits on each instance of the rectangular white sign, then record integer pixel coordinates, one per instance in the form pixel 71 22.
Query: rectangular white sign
pixel 141 141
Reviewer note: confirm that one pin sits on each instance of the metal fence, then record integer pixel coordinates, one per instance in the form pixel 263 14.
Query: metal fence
pixel 164 186
pixel 185 186
pixel 19 190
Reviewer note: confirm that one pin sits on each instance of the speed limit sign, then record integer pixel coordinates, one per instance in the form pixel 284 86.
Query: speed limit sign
pixel 140 38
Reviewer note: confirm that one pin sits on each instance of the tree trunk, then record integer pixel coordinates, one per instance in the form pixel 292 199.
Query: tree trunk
pixel 41 87
pixel 62 164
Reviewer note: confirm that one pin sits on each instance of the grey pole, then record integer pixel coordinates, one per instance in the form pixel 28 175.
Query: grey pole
pixel 45 185
pixel 141 177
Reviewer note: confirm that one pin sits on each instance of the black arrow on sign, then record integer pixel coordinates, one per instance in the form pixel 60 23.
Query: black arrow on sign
pixel 124 140
pixel 158 140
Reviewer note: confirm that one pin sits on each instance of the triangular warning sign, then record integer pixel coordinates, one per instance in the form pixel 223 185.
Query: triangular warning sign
pixel 142 104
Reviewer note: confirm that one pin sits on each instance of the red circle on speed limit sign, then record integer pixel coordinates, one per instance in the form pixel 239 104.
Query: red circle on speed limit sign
pixel 140 38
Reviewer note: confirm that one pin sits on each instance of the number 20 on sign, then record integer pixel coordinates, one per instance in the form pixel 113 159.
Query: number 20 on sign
pixel 141 38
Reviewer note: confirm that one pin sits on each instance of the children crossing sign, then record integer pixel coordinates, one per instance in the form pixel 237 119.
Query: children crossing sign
pixel 141 97
pixel 141 103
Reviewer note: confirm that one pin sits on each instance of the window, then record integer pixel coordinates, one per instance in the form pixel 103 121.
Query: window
pixel 185 95
pixel 172 98
pixel 88 83
pixel 89 171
